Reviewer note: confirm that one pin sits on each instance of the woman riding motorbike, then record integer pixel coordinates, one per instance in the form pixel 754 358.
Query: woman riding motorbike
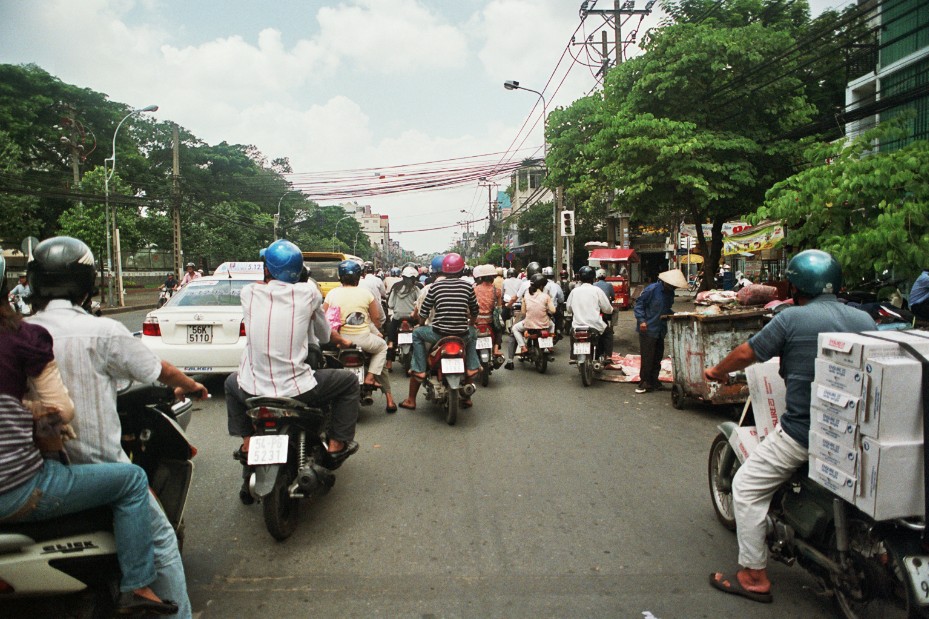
pixel 538 307
pixel 488 299
pixel 401 301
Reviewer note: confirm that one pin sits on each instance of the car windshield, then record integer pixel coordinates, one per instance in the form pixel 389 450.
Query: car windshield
pixel 323 271
pixel 210 293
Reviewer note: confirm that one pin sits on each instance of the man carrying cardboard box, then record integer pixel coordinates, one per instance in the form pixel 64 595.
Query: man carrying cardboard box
pixel 814 278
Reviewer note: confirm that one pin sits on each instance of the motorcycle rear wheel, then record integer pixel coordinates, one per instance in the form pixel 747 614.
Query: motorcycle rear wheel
pixel 451 407
pixel 281 511
pixel 722 499
pixel 485 377
pixel 541 360
pixel 587 373
pixel 883 588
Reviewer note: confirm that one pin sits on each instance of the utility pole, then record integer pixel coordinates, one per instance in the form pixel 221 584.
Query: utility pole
pixel 559 251
pixel 613 17
pixel 176 206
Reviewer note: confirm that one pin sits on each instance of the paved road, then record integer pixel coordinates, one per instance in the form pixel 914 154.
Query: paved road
pixel 545 500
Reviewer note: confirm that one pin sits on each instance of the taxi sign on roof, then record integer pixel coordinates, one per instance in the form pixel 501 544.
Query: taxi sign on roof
pixel 243 268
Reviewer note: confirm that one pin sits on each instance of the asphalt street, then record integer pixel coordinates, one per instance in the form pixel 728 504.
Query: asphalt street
pixel 547 499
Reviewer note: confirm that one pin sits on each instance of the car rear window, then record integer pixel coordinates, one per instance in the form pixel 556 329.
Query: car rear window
pixel 323 271
pixel 210 293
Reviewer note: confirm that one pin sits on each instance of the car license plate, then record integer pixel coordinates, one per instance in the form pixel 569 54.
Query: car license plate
pixel 404 338
pixel 918 570
pixel 546 342
pixel 199 334
pixel 484 342
pixel 582 348
pixel 267 450
pixel 453 366
pixel 360 373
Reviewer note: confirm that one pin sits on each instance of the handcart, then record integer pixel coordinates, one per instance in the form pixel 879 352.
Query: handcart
pixel 701 341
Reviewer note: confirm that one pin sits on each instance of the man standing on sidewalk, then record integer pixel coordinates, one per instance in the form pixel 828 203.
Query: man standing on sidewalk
pixel 654 302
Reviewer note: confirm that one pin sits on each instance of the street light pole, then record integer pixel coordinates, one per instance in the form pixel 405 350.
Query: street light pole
pixel 514 85
pixel 335 235
pixel 107 175
pixel 277 217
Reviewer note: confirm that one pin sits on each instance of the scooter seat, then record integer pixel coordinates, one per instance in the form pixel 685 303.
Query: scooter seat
pixel 264 400
pixel 88 521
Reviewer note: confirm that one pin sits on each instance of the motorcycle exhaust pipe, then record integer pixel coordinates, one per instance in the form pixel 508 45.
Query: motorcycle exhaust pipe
pixel 597 366
pixel 313 478
pixel 468 390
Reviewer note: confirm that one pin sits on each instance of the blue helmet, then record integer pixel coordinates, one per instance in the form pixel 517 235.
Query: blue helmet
pixel 436 265
pixel 349 268
pixel 814 272
pixel 284 261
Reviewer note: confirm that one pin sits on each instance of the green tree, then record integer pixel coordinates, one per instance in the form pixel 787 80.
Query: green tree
pixel 494 255
pixel 19 214
pixel 870 210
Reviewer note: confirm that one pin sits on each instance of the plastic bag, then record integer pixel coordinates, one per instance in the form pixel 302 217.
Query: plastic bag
pixel 756 294
pixel 334 316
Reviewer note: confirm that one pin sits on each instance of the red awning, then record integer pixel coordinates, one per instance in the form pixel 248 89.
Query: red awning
pixel 614 255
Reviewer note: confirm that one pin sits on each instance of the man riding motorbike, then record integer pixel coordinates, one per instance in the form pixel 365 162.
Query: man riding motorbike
pixel 455 305
pixel 586 303
pixel 814 278
pixel 401 301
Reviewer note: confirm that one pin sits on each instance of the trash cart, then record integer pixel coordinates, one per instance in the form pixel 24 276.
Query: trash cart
pixel 701 341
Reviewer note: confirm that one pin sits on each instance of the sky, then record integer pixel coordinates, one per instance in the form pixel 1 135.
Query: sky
pixel 335 85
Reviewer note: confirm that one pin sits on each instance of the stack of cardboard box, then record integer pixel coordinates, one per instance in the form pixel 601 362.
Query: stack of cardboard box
pixel 866 437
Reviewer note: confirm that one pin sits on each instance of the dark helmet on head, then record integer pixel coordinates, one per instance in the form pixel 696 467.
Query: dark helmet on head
pixel 538 281
pixel 814 272
pixel 284 261
pixel 511 272
pixel 587 274
pixel 368 266
pixel 453 264
pixel 349 270
pixel 62 267
pixel 532 268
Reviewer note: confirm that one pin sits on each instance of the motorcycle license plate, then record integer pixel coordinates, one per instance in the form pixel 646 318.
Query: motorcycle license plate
pixel 484 343
pixel 359 372
pixel 453 366
pixel 404 338
pixel 546 342
pixel 199 334
pixel 582 348
pixel 267 450
pixel 918 570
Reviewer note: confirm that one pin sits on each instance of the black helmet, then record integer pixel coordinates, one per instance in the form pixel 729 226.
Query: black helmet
pixel 511 272
pixel 586 274
pixel 532 268
pixel 368 267
pixel 538 281
pixel 62 267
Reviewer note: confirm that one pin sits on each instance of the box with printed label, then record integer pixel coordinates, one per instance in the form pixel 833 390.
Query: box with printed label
pixel 891 479
pixel 852 349
pixel 832 479
pixel 838 403
pixel 834 452
pixel 893 410
pixel 744 440
pixel 768 393
pixel 834 428
pixel 839 377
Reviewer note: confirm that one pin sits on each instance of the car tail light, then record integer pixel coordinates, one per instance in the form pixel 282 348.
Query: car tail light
pixel 150 327
pixel 452 348
pixel 242 329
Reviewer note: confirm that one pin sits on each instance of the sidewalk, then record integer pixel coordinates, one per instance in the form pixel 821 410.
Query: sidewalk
pixel 135 298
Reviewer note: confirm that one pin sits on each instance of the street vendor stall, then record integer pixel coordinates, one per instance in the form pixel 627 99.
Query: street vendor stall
pixel 700 341
pixel 616 263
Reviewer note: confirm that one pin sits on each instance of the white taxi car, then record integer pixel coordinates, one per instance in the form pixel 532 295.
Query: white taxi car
pixel 200 329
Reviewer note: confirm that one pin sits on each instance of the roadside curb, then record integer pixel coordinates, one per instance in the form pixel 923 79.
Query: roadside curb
pixel 122 310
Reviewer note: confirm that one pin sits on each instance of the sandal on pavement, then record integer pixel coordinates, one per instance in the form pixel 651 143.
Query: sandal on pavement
pixel 731 584
pixel 130 603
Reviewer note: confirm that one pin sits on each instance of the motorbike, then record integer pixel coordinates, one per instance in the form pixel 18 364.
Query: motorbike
pixel 584 352
pixel 164 295
pixel 355 360
pixel 287 460
pixel 871 568
pixel 404 341
pixel 76 554
pixel 18 302
pixel 445 374
pixel 539 343
pixel 485 351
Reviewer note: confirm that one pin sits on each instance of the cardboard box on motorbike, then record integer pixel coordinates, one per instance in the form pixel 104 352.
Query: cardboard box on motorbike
pixel 744 440
pixel 853 349
pixel 834 427
pixel 769 394
pixel 893 411
pixel 835 452
pixel 840 377
pixel 891 479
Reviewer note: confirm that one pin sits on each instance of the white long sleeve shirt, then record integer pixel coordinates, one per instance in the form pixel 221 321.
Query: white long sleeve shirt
pixel 586 302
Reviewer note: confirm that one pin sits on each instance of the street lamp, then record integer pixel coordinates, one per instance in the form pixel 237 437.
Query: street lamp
pixel 335 235
pixel 107 175
pixel 514 85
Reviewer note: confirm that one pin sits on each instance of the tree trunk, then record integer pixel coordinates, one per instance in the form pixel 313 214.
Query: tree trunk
pixel 697 218
pixel 711 265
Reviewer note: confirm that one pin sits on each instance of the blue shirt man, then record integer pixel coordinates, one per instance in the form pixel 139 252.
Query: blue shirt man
pixel 654 302
pixel 919 296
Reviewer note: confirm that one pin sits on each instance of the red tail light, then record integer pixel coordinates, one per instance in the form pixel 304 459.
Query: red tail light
pixel 544 334
pixel 452 348
pixel 242 329
pixel 405 327
pixel 264 413
pixel 6 588
pixel 484 329
pixel 352 360
pixel 581 336
pixel 150 327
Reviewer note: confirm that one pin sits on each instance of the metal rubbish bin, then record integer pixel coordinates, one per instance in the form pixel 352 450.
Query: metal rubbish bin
pixel 701 341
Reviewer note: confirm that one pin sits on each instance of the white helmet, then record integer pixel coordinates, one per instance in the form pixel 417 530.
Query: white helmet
pixel 484 270
pixel 548 272
pixel 601 274
pixel 409 272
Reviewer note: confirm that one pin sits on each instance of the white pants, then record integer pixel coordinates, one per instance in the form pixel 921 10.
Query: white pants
pixel 771 464
pixel 375 346
pixel 520 327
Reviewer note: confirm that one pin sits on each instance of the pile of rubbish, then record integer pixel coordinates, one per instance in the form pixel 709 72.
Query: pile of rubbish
pixel 752 295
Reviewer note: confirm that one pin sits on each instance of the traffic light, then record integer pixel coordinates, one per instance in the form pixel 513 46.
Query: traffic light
pixel 567 223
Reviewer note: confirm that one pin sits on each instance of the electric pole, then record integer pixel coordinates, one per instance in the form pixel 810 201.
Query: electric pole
pixel 613 18
pixel 176 205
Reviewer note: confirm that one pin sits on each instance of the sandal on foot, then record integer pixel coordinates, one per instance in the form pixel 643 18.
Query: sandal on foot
pixel 407 406
pixel 131 603
pixel 391 409
pixel 466 403
pixel 731 584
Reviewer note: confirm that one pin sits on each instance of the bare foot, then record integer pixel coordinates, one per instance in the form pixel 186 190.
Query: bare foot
pixel 335 446
pixel 754 580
